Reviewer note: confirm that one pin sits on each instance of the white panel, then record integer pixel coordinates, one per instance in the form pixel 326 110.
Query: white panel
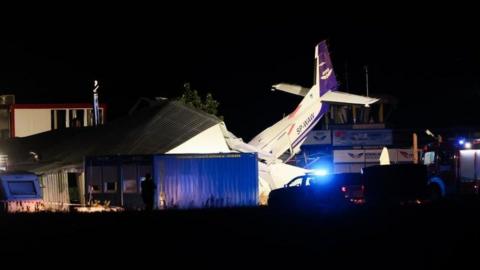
pixel 477 165
pixel 356 156
pixel 469 165
pixel 282 173
pixel 401 155
pixel 209 141
pixel 31 121
pixel 371 155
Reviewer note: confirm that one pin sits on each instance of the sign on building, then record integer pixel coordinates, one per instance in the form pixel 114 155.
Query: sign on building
pixel 371 155
pixel 355 159
pixel 380 137
pixel 318 137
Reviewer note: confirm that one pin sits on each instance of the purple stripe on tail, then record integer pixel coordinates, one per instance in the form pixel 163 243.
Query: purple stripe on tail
pixel 325 75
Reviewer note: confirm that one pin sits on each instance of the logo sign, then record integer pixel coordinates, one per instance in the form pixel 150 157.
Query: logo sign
pixel 378 137
pixel 318 137
pixel 371 156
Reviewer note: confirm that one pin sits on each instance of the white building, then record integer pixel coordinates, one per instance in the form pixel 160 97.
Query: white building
pixel 29 119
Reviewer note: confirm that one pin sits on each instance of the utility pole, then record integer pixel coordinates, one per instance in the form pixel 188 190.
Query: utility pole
pixel 95 104
pixel 346 77
pixel 366 78
pixel 415 148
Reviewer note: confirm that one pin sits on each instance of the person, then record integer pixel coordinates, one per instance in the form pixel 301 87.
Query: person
pixel 148 192
pixel 90 194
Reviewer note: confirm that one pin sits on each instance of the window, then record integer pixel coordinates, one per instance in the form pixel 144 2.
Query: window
pixel 445 157
pixel 129 172
pixel 100 116
pixel 310 181
pixel 130 186
pixel 73 191
pixel 429 158
pixel 76 118
pixel 95 188
pixel 110 178
pixel 94 178
pixel 61 119
pixel 89 118
pixel 21 188
pixel 110 186
pixel 296 182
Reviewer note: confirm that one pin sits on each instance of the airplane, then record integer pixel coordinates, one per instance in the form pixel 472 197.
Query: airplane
pixel 287 135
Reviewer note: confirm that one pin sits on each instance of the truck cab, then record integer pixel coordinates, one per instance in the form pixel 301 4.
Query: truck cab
pixel 20 192
pixel 453 167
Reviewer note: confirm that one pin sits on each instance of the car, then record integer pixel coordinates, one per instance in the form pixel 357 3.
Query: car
pixel 312 191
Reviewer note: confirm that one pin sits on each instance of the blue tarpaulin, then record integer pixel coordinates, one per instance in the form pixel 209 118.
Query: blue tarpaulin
pixel 206 180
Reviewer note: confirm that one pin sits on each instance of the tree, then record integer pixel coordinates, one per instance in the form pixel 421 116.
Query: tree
pixel 191 98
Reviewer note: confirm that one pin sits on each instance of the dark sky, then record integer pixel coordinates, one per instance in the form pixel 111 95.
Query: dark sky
pixel 429 62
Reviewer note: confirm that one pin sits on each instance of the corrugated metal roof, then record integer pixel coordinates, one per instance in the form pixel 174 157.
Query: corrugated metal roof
pixel 154 130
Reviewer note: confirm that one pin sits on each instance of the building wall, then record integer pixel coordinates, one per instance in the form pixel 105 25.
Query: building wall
pixel 31 121
pixel 123 173
pixel 183 181
pixel 55 190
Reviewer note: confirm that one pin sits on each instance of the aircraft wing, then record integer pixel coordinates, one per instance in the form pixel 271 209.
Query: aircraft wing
pixel 239 145
pixel 342 97
pixel 291 88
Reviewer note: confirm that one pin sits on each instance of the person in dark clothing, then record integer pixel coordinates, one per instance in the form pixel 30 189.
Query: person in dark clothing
pixel 148 192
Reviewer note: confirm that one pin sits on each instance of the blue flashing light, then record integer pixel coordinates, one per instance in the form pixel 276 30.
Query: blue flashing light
pixel 320 172
pixel 461 141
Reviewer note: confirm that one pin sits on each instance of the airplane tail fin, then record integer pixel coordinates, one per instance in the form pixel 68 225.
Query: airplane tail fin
pixel 325 78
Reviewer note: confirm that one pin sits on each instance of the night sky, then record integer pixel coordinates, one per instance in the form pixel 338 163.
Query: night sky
pixel 430 63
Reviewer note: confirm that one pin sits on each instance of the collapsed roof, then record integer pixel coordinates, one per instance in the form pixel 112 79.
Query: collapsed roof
pixel 153 130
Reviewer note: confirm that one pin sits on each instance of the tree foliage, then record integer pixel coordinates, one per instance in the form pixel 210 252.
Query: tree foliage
pixel 191 97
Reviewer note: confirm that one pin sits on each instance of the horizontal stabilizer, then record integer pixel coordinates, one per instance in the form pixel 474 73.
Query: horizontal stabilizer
pixel 341 97
pixel 291 88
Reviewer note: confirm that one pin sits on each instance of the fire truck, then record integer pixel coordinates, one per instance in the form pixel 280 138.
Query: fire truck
pixel 453 167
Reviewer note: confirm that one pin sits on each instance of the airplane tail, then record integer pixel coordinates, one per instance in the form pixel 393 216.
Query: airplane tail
pixel 289 133
pixel 325 78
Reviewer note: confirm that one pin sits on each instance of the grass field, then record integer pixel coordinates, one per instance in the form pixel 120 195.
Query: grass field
pixel 444 232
